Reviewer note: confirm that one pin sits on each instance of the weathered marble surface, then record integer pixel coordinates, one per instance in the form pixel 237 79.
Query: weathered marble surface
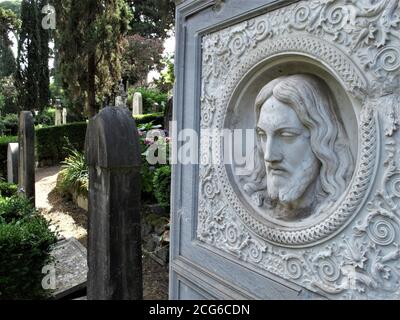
pixel 137 104
pixel 12 163
pixel 349 251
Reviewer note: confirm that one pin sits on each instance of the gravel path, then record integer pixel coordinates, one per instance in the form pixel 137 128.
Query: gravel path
pixel 71 221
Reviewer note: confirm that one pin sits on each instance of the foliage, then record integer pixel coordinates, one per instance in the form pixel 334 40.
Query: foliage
pixel 152 18
pixel 32 77
pixel 25 242
pixel 4 141
pixel 14 209
pixel 9 124
pixel 141 55
pixel 162 185
pixel 9 22
pixel 46 117
pixel 52 142
pixel 150 97
pixel 89 43
pixel 13 5
pixel 8 189
pixel 2 102
pixel 167 79
pixel 152 119
pixel 10 94
pixel 7 60
pixel 75 174
pixel 147 170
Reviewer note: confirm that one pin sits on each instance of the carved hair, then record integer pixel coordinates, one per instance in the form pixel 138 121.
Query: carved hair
pixel 310 99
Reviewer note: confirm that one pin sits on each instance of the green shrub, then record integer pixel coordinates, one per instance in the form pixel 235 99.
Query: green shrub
pixel 24 251
pixel 156 118
pixel 162 185
pixel 8 189
pixel 4 141
pixel 46 117
pixel 150 97
pixel 9 124
pixel 52 143
pixel 15 209
pixel 75 174
pixel 2 101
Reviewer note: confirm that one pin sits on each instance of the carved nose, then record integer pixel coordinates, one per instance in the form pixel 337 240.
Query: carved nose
pixel 272 151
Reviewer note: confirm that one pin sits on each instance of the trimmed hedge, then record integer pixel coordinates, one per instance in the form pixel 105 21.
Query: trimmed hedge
pixel 52 142
pixel 4 141
pixel 156 118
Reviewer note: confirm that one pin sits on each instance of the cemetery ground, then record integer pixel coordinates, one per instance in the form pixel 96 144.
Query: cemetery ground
pixel 71 222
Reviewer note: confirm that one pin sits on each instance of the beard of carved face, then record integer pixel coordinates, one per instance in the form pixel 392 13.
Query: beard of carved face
pixel 297 189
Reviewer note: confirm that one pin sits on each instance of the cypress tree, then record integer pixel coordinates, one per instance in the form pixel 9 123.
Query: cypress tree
pixel 89 40
pixel 7 60
pixel 44 73
pixel 32 78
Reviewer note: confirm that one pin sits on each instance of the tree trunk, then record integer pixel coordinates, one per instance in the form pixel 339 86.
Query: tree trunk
pixel 92 110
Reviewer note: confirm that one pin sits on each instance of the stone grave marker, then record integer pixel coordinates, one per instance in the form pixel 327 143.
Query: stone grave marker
pixel 12 163
pixel 137 104
pixel 64 115
pixel 313 211
pixel 26 171
pixel 58 117
pixel 70 264
pixel 114 236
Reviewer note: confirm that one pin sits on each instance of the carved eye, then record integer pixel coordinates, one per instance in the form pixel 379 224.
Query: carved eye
pixel 287 134
pixel 261 133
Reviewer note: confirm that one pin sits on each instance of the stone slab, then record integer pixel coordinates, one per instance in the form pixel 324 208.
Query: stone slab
pixel 70 264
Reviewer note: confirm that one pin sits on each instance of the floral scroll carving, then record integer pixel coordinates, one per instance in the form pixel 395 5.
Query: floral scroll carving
pixel 354 252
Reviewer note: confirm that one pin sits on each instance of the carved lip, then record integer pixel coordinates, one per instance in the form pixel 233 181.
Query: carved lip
pixel 276 170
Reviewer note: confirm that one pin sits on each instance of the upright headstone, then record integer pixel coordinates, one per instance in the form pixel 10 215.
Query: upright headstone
pixel 58 117
pixel 114 234
pixel 12 163
pixel 137 104
pixel 64 115
pixel 26 171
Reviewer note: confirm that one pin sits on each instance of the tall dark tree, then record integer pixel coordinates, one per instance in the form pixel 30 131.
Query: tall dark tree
pixel 32 77
pixel 7 60
pixel 28 56
pixel 152 18
pixel 89 41
pixel 141 55
pixel 151 22
pixel 44 72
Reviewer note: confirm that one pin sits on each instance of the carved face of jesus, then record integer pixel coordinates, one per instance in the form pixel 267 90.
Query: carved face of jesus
pixel 292 168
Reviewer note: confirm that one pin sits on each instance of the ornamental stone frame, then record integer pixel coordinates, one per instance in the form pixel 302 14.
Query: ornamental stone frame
pixel 224 245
